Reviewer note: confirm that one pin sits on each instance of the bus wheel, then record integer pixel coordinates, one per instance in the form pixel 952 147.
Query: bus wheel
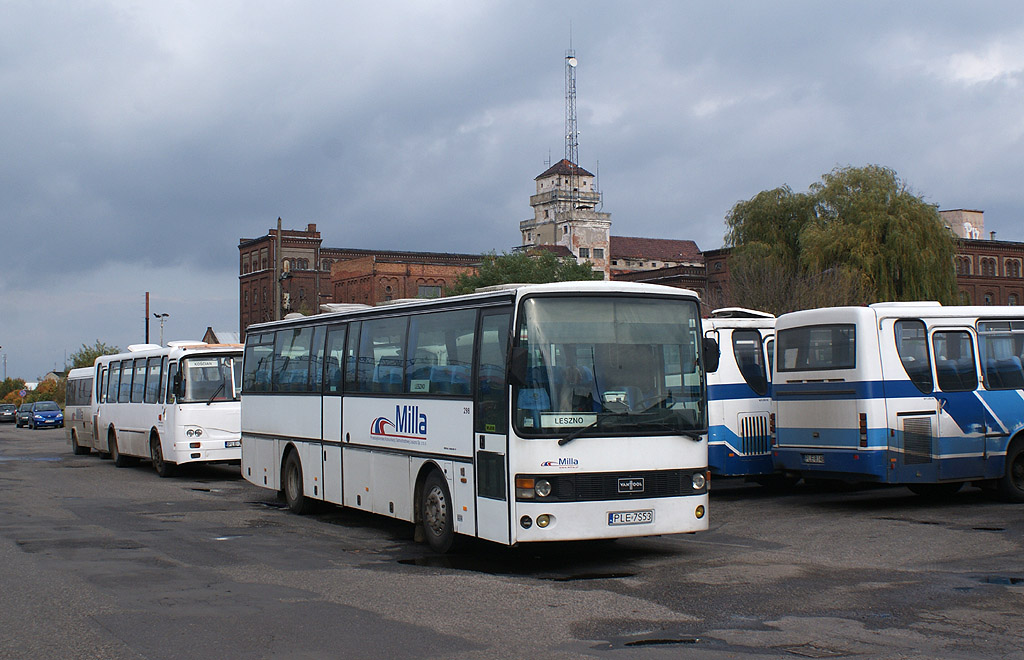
pixel 77 449
pixel 936 491
pixel 120 460
pixel 436 513
pixel 156 454
pixel 1011 486
pixel 293 492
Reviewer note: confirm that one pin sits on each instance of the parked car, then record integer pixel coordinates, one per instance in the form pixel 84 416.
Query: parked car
pixel 8 412
pixel 40 414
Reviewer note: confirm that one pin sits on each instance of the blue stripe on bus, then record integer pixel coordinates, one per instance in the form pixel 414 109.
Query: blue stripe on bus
pixel 732 392
pixel 721 443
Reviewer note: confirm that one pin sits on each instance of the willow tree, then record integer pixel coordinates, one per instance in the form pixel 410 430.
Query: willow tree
pixel 858 236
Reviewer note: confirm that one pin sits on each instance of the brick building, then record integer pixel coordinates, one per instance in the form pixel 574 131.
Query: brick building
pixel 382 276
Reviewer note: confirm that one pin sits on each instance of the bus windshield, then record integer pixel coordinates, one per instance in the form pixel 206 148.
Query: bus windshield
pixel 609 366
pixel 212 378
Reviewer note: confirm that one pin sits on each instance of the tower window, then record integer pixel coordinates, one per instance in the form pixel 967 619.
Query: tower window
pixel 585 252
pixel 599 253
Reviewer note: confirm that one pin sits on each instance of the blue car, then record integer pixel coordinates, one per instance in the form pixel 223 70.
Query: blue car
pixel 41 414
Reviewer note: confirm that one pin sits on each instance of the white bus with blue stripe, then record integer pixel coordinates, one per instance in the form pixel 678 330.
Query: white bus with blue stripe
pixel 739 393
pixel 902 393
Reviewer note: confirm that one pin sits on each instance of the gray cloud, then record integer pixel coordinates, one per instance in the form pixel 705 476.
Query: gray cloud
pixel 141 140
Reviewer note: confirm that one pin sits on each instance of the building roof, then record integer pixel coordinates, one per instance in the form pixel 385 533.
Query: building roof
pixel 654 249
pixel 220 336
pixel 564 167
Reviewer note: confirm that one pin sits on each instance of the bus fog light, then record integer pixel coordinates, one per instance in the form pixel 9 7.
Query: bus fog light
pixel 699 511
pixel 543 489
pixel 698 481
pixel 526 522
pixel 543 520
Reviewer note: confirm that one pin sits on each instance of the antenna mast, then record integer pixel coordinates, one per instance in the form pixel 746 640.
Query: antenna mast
pixel 572 145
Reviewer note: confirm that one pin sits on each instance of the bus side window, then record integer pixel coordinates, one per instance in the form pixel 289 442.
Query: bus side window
pixel 172 371
pixel 115 377
pixel 912 347
pixel 954 361
pixel 124 389
pixel 333 359
pixel 746 347
pixel 162 386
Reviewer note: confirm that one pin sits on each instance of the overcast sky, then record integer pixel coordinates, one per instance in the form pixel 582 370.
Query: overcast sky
pixel 141 140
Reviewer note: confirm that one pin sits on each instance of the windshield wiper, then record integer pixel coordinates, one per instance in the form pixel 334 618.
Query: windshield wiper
pixel 219 389
pixel 597 422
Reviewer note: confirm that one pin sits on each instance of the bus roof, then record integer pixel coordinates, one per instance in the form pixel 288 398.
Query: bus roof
pixel 508 292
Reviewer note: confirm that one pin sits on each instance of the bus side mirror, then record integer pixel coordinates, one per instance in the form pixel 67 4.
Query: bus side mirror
pixel 517 366
pixel 178 386
pixel 712 355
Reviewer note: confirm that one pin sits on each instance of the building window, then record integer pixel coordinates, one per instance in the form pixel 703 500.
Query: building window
pixel 429 291
pixel 989 298
pixel 988 267
pixel 1012 267
pixel 1012 300
pixel 585 253
pixel 615 262
pixel 963 265
pixel 263 258
pixel 599 253
pixel 718 265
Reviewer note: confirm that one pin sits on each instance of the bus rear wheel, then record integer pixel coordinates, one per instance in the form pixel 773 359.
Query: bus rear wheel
pixel 292 486
pixel 163 467
pixel 1011 486
pixel 77 449
pixel 436 513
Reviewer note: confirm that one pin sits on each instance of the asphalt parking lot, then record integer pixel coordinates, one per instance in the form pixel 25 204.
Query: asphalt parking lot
pixel 118 563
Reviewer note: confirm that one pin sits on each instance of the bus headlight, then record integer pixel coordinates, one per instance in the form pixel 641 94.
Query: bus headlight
pixel 543 488
pixel 544 519
pixel 194 432
pixel 698 481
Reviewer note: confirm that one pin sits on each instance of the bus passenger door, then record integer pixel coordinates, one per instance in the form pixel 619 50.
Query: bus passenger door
pixel 491 426
pixel 963 423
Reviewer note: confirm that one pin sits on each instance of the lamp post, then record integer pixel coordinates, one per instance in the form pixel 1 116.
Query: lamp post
pixel 162 318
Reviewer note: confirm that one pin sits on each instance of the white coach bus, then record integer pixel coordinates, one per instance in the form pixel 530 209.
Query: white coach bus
pixel 903 393
pixel 525 413
pixel 78 408
pixel 171 405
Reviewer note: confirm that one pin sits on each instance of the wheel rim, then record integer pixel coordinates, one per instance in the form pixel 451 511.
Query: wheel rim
pixel 158 456
pixel 292 483
pixel 435 511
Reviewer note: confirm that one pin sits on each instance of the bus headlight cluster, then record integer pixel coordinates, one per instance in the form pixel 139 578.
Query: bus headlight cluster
pixel 698 481
pixel 528 488
pixel 194 432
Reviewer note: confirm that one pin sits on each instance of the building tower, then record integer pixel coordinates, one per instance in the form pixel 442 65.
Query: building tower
pixel 566 201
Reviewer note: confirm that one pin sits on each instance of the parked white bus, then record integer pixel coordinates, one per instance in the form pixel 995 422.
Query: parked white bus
pixel 739 394
pixel 527 413
pixel 78 409
pixel 172 405
pixel 903 393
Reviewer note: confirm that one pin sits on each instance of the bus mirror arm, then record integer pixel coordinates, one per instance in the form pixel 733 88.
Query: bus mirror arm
pixel 517 365
pixel 712 355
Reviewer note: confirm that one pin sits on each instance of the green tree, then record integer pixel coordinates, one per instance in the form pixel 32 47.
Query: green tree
pixel 86 356
pixel 522 267
pixel 858 236
pixel 11 385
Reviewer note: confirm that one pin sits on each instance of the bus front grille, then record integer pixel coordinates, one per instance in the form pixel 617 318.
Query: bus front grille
pixel 917 440
pixel 755 438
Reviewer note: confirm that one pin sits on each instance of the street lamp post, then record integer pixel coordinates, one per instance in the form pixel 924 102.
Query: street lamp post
pixel 162 318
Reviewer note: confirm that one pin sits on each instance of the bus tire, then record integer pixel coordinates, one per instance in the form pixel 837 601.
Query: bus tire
pixel 77 449
pixel 436 513
pixel 1011 486
pixel 291 484
pixel 936 491
pixel 156 455
pixel 120 460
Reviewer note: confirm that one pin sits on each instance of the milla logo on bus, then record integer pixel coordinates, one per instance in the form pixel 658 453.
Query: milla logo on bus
pixel 409 423
pixel 631 485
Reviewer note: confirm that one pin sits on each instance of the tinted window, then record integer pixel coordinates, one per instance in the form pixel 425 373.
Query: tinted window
pixel 292 358
pixel 817 348
pixel 441 352
pixel 1001 344
pixel 491 383
pixel 172 371
pixel 912 347
pixel 139 380
pixel 115 377
pixel 381 356
pixel 152 379
pixel 259 355
pixel 334 359
pixel 747 349
pixel 954 361
pixel 124 389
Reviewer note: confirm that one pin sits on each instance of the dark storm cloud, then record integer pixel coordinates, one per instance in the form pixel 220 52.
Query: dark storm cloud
pixel 142 140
